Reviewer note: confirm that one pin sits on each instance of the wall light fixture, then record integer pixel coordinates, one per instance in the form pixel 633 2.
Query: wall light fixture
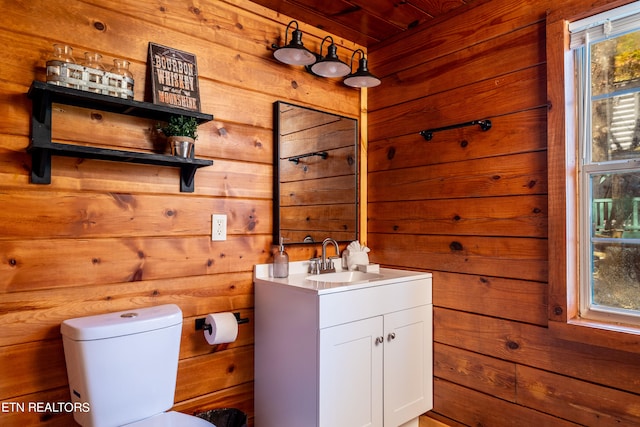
pixel 330 65
pixel 362 77
pixel 293 53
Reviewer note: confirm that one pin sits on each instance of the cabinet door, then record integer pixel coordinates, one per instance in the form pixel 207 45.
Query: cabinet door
pixel 351 357
pixel 408 365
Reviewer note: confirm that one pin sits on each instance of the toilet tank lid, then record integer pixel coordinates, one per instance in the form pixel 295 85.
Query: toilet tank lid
pixel 128 322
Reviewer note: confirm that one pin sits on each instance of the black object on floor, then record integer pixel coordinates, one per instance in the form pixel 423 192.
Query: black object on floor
pixel 225 417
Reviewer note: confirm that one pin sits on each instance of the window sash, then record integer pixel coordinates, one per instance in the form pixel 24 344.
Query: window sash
pixel 607 24
pixel 588 308
pixel 583 34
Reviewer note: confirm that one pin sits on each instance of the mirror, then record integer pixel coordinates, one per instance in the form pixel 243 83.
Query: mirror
pixel 315 175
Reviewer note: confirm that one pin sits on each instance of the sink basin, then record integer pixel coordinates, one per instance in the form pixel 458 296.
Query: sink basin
pixel 344 277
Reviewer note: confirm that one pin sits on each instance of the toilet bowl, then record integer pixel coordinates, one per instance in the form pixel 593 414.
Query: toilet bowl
pixel 171 419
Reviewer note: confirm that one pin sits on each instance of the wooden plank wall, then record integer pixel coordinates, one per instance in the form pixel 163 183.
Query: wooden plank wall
pixel 471 206
pixel 113 236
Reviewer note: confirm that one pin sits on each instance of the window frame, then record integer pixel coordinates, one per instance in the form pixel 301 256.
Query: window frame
pixel 587 168
pixel 563 203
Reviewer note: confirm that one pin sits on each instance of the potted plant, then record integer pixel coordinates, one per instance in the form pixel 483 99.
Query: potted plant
pixel 181 133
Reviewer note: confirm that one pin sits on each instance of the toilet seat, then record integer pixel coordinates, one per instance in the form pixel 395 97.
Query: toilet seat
pixel 171 419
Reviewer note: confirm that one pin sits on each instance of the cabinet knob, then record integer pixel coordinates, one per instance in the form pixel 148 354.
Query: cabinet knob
pixel 391 336
pixel 379 340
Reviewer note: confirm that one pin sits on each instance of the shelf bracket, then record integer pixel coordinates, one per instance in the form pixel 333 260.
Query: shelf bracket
pixel 40 136
pixel 40 166
pixel 485 125
pixel 187 173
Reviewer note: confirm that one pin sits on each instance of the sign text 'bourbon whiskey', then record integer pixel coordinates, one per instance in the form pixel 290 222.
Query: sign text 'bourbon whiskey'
pixel 174 77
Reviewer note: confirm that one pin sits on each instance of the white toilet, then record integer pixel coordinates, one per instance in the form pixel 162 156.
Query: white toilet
pixel 122 368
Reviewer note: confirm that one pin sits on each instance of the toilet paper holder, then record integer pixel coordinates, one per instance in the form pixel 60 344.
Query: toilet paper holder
pixel 201 325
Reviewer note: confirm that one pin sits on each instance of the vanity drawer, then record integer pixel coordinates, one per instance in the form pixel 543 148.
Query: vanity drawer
pixel 343 307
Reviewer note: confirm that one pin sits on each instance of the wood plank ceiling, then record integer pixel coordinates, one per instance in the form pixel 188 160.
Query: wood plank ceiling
pixel 366 22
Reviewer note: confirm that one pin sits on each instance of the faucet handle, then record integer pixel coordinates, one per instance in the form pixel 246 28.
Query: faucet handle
pixel 314 266
pixel 327 266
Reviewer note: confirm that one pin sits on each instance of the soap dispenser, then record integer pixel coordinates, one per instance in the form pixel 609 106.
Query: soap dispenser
pixel 281 261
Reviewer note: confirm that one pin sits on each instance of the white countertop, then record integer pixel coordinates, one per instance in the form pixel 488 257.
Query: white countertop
pixel 298 273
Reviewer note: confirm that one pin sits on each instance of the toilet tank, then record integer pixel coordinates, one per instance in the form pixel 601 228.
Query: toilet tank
pixel 122 366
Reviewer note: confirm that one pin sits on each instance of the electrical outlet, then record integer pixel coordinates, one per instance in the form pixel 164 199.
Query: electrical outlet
pixel 218 227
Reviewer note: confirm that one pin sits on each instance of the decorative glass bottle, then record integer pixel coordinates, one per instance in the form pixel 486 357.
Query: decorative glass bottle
pixel 94 70
pixel 121 66
pixel 125 85
pixel 58 71
pixel 93 60
pixel 63 53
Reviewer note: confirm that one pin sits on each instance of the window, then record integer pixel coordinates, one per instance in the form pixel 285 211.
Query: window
pixel 607 76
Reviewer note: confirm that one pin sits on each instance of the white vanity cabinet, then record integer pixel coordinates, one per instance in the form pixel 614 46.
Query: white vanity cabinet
pixel 343 355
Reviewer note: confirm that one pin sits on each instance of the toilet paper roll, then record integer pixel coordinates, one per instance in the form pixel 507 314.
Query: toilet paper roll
pixel 224 328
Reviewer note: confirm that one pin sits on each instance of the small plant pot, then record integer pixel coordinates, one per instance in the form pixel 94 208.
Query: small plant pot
pixel 181 146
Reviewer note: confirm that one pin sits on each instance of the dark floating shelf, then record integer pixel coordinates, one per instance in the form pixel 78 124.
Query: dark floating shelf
pixel 39 91
pixel 42 148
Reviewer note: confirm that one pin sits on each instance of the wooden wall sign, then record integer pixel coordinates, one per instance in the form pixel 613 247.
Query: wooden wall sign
pixel 174 77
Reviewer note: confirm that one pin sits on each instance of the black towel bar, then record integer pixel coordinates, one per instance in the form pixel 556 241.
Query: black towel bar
pixel 296 159
pixel 485 125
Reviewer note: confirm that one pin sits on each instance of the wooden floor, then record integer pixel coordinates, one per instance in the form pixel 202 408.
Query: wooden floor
pixel 426 421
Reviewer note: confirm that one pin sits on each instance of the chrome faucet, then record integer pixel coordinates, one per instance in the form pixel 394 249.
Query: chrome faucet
pixel 326 266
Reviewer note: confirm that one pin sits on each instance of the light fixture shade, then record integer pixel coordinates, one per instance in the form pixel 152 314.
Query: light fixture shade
pixel 294 53
pixel 362 77
pixel 330 65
